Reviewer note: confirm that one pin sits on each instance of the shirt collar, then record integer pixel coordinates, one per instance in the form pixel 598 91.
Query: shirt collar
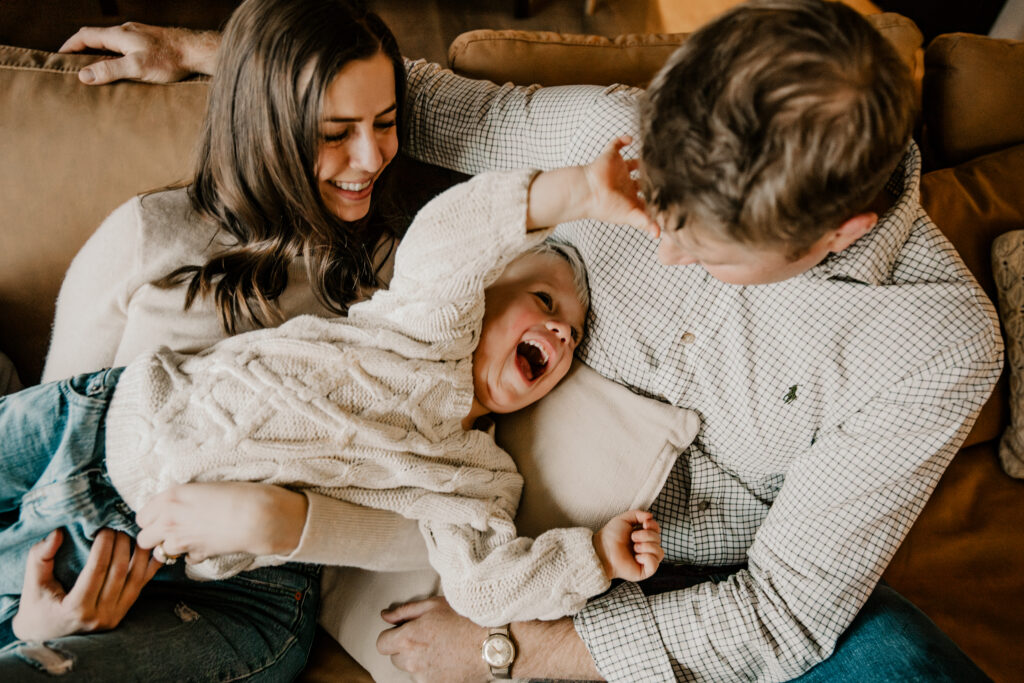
pixel 871 258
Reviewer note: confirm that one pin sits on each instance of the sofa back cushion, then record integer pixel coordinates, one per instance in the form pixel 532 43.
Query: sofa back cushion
pixel 72 153
pixel 547 58
pixel 973 100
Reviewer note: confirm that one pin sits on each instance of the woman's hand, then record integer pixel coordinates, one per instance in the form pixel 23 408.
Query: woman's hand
pixel 202 520
pixel 155 54
pixel 103 593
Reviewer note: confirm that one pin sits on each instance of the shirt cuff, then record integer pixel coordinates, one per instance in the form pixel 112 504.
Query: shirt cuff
pixel 345 534
pixel 622 636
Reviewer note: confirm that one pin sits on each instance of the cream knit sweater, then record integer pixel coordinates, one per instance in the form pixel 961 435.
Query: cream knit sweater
pixel 368 409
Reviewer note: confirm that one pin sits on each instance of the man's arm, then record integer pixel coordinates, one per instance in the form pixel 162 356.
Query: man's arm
pixel 435 644
pixel 472 125
pixel 155 54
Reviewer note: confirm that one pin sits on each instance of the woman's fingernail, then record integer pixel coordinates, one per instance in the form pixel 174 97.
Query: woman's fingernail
pixel 86 75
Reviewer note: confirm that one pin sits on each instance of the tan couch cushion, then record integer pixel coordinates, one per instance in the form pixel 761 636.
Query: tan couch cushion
pixel 527 57
pixel 972 204
pixel 54 180
pixel 973 96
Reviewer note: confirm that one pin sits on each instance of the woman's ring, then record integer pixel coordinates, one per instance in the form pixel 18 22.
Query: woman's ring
pixel 162 557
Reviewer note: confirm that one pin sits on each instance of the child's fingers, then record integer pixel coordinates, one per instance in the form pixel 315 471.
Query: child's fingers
pixel 646 548
pixel 649 564
pixel 645 536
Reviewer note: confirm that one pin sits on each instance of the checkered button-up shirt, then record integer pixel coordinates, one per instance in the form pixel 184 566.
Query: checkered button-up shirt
pixel 831 403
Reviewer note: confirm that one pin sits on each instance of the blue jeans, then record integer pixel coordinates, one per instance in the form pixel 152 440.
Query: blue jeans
pixel 892 640
pixel 256 626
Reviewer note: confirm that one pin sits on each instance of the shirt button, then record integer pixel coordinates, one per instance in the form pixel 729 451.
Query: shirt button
pixel 688 338
pixel 702 505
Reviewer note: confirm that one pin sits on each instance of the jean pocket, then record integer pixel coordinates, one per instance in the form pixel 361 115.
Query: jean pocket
pixel 94 388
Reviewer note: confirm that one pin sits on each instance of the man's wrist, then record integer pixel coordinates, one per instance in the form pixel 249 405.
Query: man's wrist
pixel 198 51
pixel 551 649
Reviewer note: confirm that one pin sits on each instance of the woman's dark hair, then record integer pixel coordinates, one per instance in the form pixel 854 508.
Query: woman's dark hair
pixel 257 176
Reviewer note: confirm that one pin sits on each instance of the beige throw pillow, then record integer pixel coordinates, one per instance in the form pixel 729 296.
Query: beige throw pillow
pixel 1008 269
pixel 590 450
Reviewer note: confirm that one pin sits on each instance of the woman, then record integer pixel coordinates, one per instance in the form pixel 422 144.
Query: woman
pixel 285 215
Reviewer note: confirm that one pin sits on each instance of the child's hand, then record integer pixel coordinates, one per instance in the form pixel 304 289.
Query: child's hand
pixel 629 546
pixel 615 195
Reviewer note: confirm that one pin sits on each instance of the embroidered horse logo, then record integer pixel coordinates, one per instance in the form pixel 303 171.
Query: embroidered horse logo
pixel 791 395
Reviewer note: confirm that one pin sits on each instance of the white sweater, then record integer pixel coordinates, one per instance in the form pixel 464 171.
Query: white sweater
pixel 109 314
pixel 368 409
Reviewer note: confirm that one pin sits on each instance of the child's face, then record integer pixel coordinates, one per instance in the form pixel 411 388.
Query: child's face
pixel 736 263
pixel 532 324
pixel 359 136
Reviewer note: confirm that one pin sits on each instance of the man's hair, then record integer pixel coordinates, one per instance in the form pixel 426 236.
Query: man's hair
pixel 257 176
pixel 776 122
pixel 568 252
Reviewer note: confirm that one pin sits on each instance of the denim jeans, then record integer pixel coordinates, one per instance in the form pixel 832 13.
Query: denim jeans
pixel 256 626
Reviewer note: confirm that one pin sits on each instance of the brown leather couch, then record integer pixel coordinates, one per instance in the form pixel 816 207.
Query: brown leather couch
pixel 70 153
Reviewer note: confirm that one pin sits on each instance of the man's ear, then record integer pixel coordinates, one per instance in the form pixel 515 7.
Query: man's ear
pixel 852 230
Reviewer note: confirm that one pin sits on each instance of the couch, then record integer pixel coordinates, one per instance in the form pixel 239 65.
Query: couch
pixel 70 153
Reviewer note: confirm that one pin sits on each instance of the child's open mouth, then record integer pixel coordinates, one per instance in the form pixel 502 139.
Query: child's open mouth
pixel 532 359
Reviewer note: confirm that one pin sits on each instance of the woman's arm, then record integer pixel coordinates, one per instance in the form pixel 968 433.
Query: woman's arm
pixel 203 520
pixel 92 305
pixel 156 54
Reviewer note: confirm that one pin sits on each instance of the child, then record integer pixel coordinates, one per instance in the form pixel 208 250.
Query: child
pixel 377 408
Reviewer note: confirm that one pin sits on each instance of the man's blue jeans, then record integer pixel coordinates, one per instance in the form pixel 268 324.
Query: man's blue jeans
pixel 256 626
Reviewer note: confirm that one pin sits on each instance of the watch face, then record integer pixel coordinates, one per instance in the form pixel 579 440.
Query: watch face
pixel 498 650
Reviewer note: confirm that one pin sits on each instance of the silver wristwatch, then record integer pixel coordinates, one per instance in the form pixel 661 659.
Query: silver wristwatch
pixel 499 651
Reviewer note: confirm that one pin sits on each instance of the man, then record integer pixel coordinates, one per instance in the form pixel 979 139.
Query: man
pixel 834 344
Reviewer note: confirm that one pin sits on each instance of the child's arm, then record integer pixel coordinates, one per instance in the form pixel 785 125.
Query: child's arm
pixel 629 546
pixel 603 190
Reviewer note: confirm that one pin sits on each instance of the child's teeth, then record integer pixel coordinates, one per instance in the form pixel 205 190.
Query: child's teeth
pixel 543 353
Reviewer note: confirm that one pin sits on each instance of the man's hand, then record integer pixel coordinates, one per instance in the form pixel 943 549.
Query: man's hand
pixel 629 546
pixel 155 54
pixel 103 593
pixel 202 520
pixel 435 644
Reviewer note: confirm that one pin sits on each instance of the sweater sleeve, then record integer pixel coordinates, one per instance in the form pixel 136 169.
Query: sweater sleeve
pixel 343 534
pixel 494 577
pixel 93 301
pixel 461 241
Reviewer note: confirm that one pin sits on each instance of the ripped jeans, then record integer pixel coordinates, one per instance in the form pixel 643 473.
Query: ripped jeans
pixel 256 626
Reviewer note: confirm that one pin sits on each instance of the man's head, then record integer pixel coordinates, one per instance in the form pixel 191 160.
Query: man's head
pixel 768 132
pixel 533 320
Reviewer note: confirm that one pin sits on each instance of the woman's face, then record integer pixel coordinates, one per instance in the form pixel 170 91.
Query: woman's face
pixel 359 137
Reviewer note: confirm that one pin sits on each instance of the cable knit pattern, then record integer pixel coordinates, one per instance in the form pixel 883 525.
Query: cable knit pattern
pixel 368 409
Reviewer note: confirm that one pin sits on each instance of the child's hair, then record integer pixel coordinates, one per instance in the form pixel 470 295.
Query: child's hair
pixel 259 146
pixel 579 271
pixel 776 122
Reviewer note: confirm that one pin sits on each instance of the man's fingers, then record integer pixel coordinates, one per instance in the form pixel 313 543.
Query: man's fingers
pixel 86 590
pixel 407 611
pixel 108 70
pixel 118 569
pixel 39 567
pixel 110 38
pixel 142 568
